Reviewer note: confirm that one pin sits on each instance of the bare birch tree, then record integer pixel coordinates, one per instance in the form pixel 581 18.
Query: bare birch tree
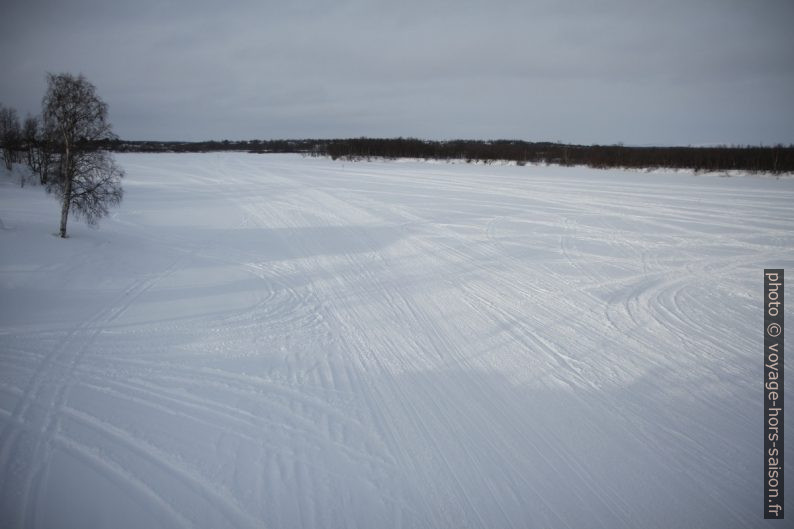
pixel 85 179
pixel 10 134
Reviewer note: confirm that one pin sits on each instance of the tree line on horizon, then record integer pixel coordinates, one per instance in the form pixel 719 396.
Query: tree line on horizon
pixel 776 159
pixel 20 141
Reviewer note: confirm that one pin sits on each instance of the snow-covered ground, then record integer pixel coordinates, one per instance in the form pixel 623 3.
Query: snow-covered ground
pixel 276 341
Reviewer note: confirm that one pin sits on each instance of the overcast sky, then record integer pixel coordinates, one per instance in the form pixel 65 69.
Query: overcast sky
pixel 686 72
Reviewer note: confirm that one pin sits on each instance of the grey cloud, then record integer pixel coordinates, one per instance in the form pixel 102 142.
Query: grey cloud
pixel 637 72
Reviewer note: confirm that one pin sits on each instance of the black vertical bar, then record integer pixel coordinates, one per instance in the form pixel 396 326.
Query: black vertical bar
pixel 773 394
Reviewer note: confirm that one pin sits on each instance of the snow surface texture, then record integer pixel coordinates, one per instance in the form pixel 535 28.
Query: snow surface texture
pixel 273 341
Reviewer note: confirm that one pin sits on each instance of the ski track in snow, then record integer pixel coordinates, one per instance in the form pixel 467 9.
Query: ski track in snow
pixel 278 341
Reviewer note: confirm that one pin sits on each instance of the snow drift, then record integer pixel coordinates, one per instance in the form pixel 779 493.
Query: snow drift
pixel 272 341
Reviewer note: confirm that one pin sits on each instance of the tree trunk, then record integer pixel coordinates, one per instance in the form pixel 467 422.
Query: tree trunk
pixel 65 209
pixel 67 192
pixel 43 164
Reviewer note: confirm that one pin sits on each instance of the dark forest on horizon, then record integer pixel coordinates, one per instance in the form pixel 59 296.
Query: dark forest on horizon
pixel 776 159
